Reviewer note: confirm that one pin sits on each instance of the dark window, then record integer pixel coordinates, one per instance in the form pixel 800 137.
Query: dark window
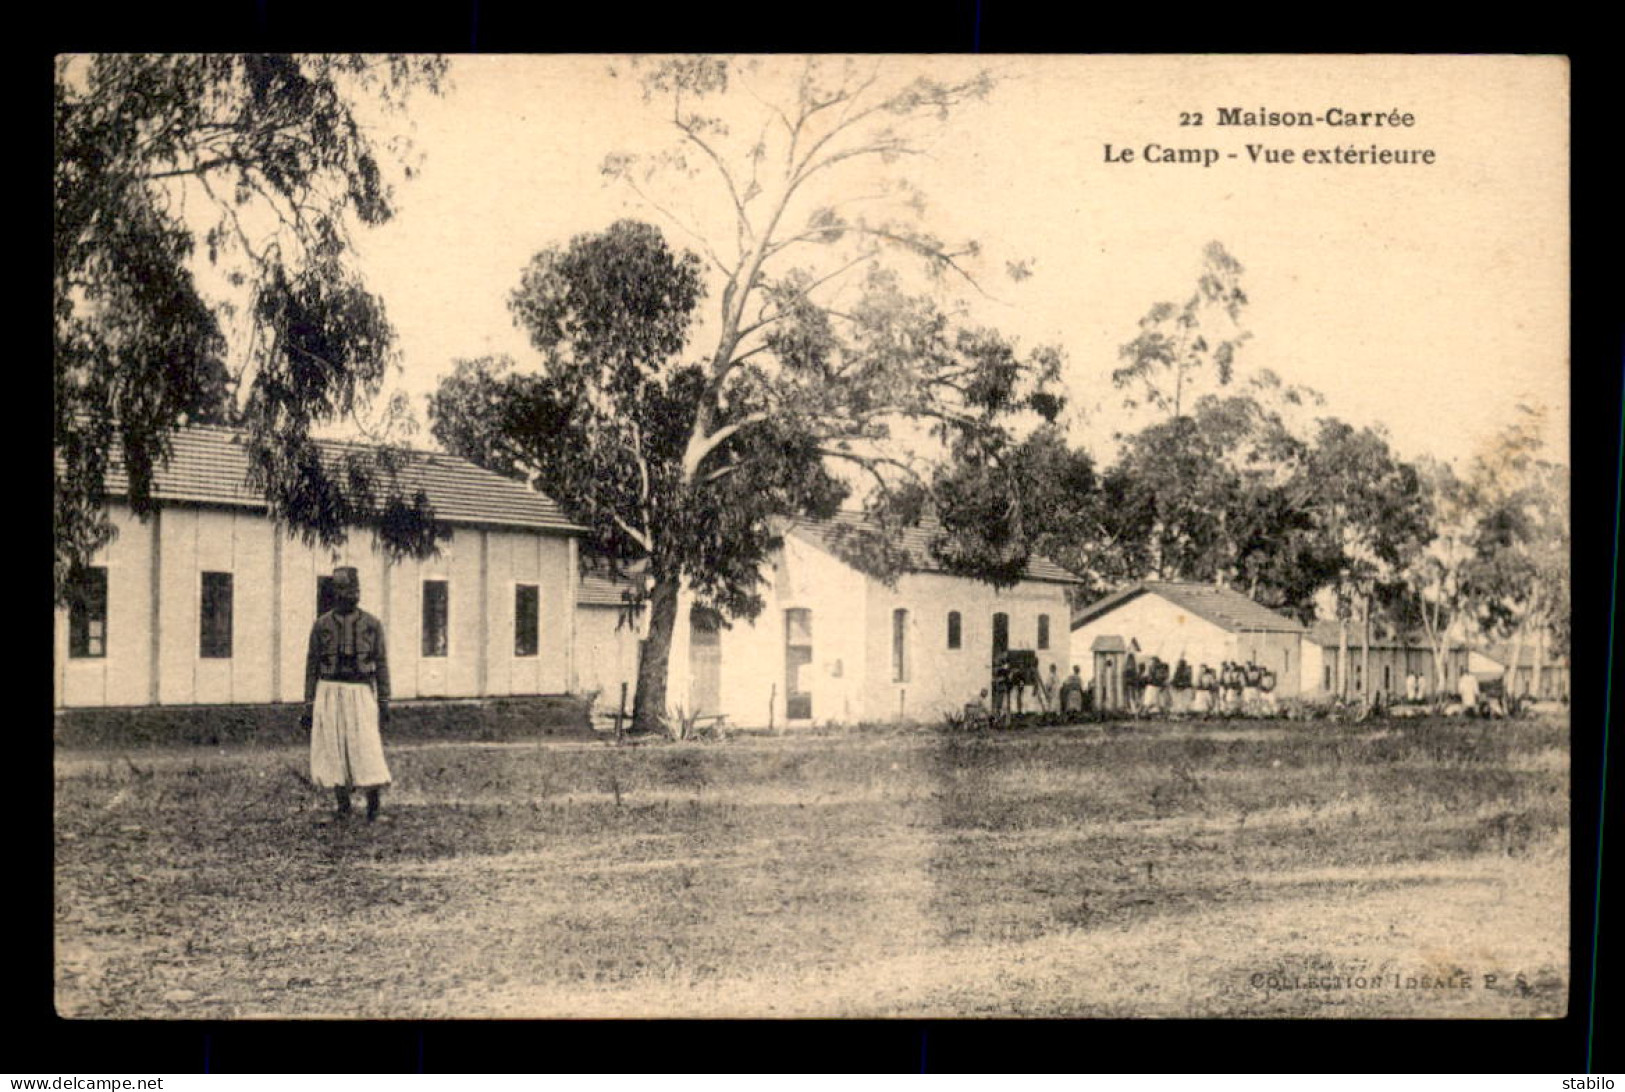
pixel 436 596
pixel 1043 631
pixel 1387 677
pixel 899 645
pixel 87 614
pixel 1001 633
pixel 526 612
pixel 325 600
pixel 953 629
pixel 1328 676
pixel 215 617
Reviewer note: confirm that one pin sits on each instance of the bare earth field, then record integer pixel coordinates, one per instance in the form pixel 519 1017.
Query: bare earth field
pixel 1409 869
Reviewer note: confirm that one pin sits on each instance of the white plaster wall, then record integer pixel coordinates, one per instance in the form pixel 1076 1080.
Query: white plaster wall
pixel 514 558
pixel 939 680
pixel 606 656
pixel 124 675
pixel 800 576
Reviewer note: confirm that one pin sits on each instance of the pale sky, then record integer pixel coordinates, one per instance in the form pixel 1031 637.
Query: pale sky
pixel 1430 299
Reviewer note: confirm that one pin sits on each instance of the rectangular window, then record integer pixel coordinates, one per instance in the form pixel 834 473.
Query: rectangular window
pixel 1328 676
pixel 1043 632
pixel 436 597
pixel 526 615
pixel 899 645
pixel 215 617
pixel 1387 677
pixel 954 633
pixel 87 614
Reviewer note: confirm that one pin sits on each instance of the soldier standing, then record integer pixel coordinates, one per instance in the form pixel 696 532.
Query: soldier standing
pixel 1251 676
pixel 1071 694
pixel 1266 690
pixel 1156 684
pixel 1182 686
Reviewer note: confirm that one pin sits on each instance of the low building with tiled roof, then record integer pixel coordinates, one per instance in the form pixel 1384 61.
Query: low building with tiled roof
pixel 211 602
pixel 1224 607
pixel 1386 668
pixel 1201 624
pixel 209 465
pixel 1540 671
pixel 834 644
pixel 1205 624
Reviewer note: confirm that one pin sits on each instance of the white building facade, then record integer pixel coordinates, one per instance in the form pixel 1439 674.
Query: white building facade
pixel 835 646
pixel 1200 624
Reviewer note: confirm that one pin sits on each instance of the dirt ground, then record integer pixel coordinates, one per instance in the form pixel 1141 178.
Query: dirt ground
pixel 1406 869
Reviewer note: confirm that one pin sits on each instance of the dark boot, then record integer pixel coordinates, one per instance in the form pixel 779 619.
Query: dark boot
pixel 341 797
pixel 372 804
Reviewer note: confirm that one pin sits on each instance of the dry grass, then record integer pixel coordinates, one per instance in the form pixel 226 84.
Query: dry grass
pixel 1142 870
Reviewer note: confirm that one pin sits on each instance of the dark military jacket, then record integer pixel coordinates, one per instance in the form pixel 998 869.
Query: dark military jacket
pixel 347 648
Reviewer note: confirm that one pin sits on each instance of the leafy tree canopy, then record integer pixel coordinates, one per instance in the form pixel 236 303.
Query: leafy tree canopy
pixel 606 424
pixel 803 351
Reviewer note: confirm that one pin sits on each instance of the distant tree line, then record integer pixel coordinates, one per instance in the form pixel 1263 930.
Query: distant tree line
pixel 1252 486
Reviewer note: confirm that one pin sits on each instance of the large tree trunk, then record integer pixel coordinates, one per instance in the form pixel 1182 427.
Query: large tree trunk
pixel 1367 690
pixel 649 710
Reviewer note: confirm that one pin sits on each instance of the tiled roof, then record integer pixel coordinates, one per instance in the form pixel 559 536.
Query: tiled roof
pixel 915 543
pixel 1324 632
pixel 1224 607
pixel 599 589
pixel 209 465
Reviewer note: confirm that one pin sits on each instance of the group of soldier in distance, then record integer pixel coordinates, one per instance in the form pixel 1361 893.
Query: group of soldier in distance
pixel 347 696
pixel 1152 688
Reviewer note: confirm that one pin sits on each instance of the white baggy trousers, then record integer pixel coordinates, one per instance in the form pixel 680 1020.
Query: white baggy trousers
pixel 345 747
